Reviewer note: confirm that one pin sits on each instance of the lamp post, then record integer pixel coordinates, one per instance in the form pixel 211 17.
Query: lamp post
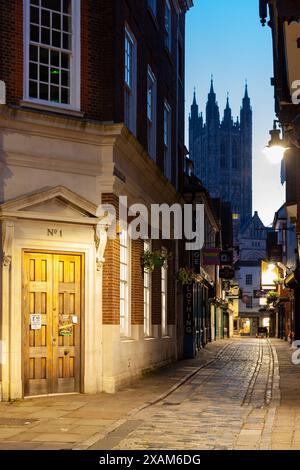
pixel 276 147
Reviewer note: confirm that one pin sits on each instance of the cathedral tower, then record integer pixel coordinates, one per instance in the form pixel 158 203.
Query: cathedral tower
pixel 222 154
pixel 246 156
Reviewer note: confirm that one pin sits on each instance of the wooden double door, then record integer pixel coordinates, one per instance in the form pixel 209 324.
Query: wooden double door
pixel 52 318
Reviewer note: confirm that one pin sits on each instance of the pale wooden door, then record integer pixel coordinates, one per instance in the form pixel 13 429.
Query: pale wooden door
pixel 66 315
pixel 52 290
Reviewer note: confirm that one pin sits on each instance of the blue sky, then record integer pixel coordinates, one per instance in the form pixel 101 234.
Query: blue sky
pixel 225 38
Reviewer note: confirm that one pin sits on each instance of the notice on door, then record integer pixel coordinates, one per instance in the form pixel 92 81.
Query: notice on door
pixel 36 321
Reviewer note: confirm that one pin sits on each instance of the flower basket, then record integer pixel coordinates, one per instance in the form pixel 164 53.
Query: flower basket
pixel 185 276
pixel 272 297
pixel 154 259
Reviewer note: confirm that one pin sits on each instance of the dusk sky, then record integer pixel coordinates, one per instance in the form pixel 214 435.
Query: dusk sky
pixel 224 38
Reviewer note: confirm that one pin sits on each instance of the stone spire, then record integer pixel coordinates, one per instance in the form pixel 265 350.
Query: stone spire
pixel 212 108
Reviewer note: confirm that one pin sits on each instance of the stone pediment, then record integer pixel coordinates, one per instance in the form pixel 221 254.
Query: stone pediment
pixel 56 204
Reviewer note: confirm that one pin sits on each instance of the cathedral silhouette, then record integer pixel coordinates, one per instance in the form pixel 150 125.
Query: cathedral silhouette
pixel 221 151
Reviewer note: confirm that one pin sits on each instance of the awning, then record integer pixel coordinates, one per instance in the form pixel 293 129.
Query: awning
pixel 291 281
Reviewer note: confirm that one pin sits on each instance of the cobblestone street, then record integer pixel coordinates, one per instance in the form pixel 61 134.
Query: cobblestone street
pixel 223 406
pixel 238 394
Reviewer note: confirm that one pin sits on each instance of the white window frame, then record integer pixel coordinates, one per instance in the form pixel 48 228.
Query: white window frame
pixel 75 62
pixel 167 140
pixel 152 5
pixel 152 120
pixel 147 296
pixel 130 92
pixel 125 328
pixel 168 26
pixel 164 299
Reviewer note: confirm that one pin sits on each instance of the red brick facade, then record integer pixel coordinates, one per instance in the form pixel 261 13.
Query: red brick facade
pixel 11 49
pixel 137 283
pixel 111 274
pixel 102 65
pixel 111 280
pixel 102 99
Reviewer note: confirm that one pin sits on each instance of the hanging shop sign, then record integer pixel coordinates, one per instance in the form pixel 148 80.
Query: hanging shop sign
pixel 188 309
pixel 260 294
pixel 226 258
pixel 234 292
pixel 196 261
pixel 211 256
pixel 269 275
pixel 227 273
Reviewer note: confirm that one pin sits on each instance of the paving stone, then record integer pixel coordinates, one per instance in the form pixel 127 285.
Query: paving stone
pixel 222 407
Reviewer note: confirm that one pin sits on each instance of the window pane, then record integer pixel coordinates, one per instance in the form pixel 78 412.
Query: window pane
pixel 44 74
pixel 52 4
pixel 65 61
pixel 33 71
pixel 45 18
pixel 65 95
pixel 56 39
pixel 44 92
pixel 54 94
pixel 33 53
pixel 45 36
pixel 34 15
pixel 56 21
pixel 66 23
pixel 34 33
pixel 48 18
pixel 44 55
pixel 55 58
pixel 33 89
pixel 65 78
pixel 55 76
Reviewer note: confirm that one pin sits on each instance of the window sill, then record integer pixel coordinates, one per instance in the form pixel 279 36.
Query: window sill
pixel 51 108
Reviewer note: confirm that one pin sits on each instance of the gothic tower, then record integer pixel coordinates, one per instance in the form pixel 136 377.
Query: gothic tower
pixel 246 157
pixel 222 154
pixel 195 130
pixel 211 145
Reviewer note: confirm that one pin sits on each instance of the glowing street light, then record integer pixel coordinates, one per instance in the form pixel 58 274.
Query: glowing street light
pixel 276 147
pixel 269 275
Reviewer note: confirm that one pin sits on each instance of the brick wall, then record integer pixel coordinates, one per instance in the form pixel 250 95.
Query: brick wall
pixel 11 48
pixel 102 59
pixel 137 283
pixel 111 274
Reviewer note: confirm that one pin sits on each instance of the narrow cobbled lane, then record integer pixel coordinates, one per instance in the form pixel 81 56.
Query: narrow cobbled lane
pixel 225 405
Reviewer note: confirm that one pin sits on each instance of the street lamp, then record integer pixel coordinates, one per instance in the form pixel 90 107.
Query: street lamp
pixel 276 147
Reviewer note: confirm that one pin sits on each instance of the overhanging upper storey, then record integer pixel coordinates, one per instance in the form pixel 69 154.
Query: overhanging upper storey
pixel 287 10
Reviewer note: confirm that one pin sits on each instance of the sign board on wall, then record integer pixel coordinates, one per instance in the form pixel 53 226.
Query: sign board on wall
pixel 36 321
pixel 226 258
pixel 227 273
pixel 269 275
pixel 211 256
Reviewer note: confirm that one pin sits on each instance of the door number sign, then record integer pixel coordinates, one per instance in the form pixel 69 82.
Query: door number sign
pixel 36 321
